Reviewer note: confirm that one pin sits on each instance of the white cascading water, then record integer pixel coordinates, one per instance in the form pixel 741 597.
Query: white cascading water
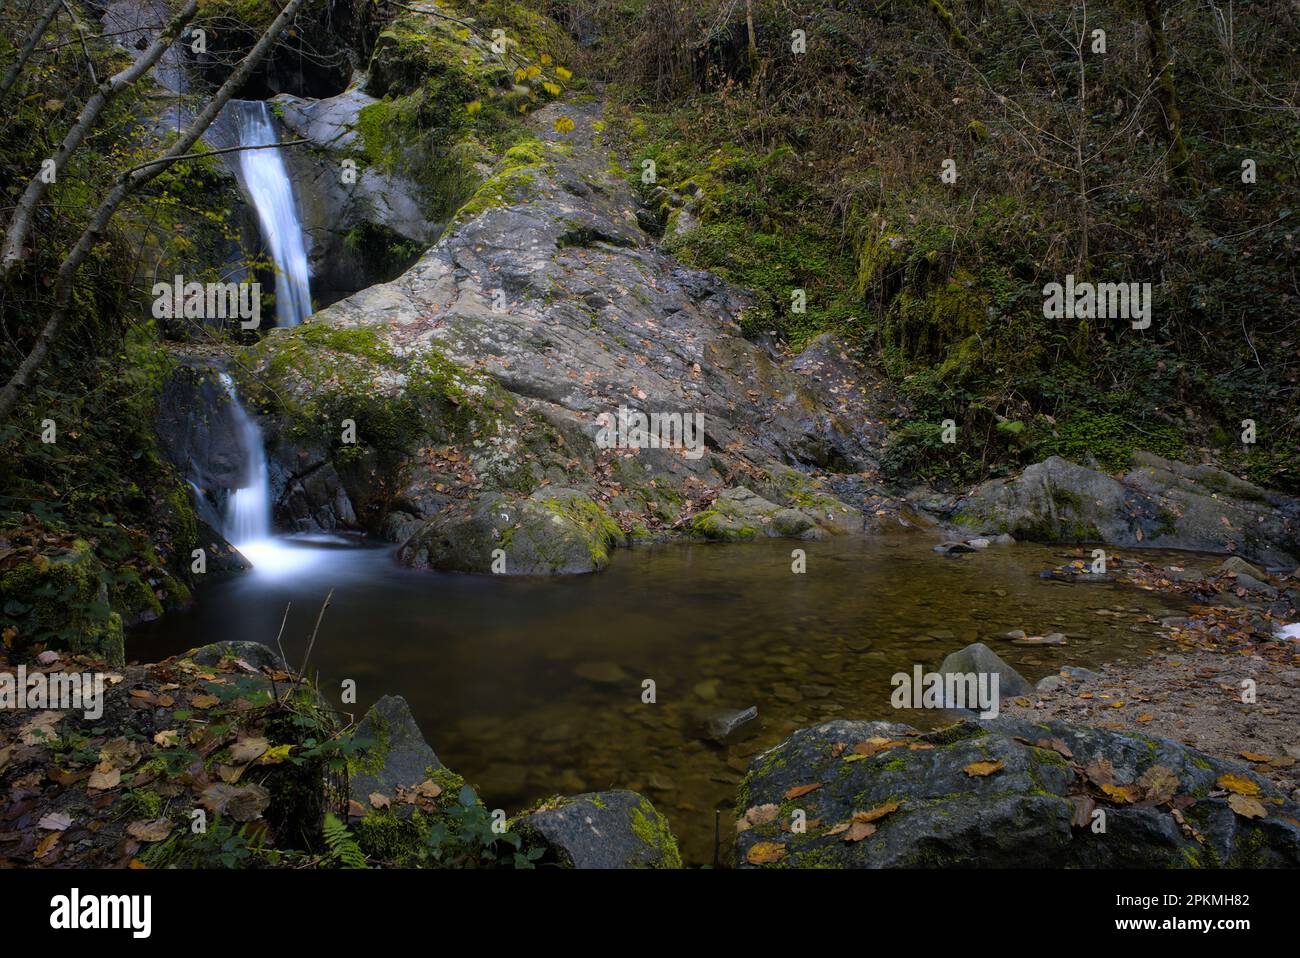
pixel 248 510
pixel 269 189
pixel 246 523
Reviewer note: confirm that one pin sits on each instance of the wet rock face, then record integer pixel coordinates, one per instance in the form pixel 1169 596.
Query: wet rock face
pixel 1007 793
pixel 1158 504
pixel 614 829
pixel 364 227
pixel 198 429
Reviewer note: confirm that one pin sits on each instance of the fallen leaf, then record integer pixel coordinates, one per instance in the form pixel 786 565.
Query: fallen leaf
pixel 243 803
pixel 104 776
pixel 1159 783
pixel 799 790
pixel 1124 794
pixel 46 844
pixel 168 738
pixel 879 812
pixel 764 853
pixel 55 821
pixel 379 800
pixel 1246 807
pixel 858 831
pixel 248 749
pixel 204 701
pixel 150 831
pixel 1237 784
pixel 983 769
pixel 757 815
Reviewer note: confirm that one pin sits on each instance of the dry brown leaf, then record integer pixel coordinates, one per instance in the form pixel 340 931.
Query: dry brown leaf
pixel 984 769
pixel 380 800
pixel 879 812
pixel 204 701
pixel 248 749
pixel 858 831
pixel 757 815
pixel 800 790
pixel 150 831
pixel 104 776
pixel 55 821
pixel 1246 807
pixel 1159 783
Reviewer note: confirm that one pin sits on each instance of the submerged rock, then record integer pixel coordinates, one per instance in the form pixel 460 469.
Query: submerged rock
pixel 722 725
pixel 614 829
pixel 1012 794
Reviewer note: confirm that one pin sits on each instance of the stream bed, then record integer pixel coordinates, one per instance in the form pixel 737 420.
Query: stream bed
pixel 533 687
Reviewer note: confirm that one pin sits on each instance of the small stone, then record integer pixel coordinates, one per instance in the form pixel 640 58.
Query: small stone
pixel 980 543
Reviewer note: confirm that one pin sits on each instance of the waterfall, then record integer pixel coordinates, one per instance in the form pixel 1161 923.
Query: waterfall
pixel 269 189
pixel 247 517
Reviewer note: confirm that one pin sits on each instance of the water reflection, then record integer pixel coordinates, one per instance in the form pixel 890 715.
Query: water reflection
pixel 533 687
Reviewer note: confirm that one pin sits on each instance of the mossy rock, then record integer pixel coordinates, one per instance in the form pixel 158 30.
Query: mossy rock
pixel 614 829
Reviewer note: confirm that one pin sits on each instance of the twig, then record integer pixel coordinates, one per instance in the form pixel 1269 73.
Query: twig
pixel 312 642
pixel 225 149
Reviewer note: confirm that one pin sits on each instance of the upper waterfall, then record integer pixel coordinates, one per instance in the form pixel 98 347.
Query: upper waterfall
pixel 269 188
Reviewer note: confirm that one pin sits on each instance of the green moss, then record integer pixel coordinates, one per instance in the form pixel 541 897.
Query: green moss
pixel 602 532
pixel 391 839
pixel 653 831
pixel 62 600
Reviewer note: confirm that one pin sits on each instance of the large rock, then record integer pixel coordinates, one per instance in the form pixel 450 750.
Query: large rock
pixel 979 659
pixel 397 756
pixel 614 829
pixel 1158 504
pixel 1030 806
pixel 554 532
pixel 542 306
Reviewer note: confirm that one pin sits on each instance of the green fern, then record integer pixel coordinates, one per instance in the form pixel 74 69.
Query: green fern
pixel 343 848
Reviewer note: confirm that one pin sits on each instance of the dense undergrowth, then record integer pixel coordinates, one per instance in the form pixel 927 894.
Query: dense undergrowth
pixel 821 171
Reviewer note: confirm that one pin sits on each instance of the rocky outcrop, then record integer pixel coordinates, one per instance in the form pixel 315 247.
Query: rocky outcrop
pixel 542 308
pixel 392 754
pixel 1158 504
pixel 614 829
pixel 979 659
pixel 1006 793
pixel 364 224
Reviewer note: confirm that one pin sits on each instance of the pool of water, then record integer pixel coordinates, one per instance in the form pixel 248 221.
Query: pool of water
pixel 531 687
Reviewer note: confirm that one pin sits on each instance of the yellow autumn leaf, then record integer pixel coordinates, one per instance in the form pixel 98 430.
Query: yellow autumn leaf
pixel 563 74
pixel 520 74
pixel 1237 784
pixel 761 853
pixel 552 88
pixel 545 58
pixel 534 71
pixel 983 769
pixel 563 124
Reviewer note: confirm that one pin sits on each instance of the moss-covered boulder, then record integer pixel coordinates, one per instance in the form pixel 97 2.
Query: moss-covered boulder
pixel 549 533
pixel 614 829
pixel 1005 793
pixel 1158 504
pixel 61 599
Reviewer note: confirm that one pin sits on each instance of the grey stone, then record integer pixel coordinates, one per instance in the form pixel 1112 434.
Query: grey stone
pixel 978 658
pixel 613 829
pixel 397 754
pixel 255 654
pixel 1017 817
pixel 722 725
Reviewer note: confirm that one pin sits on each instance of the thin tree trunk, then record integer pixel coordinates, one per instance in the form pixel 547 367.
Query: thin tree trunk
pixel 1162 68
pixel 19 224
pixel 33 38
pixel 128 184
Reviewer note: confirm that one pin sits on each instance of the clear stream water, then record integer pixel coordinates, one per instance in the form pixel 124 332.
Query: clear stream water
pixel 531 687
